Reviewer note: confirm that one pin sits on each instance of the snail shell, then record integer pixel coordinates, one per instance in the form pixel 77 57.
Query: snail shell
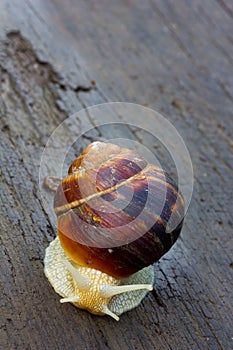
pixel 117 215
pixel 92 229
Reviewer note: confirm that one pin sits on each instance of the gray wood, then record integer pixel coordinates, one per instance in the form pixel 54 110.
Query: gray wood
pixel 175 57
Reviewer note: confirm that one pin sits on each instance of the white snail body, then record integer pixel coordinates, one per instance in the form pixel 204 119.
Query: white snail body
pixel 96 292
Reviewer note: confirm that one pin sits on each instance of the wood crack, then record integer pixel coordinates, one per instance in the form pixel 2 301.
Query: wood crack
pixel 225 7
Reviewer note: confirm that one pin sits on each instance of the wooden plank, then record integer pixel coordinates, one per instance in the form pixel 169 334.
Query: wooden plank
pixel 175 57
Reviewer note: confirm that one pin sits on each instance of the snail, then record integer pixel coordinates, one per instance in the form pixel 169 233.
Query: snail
pixel 117 214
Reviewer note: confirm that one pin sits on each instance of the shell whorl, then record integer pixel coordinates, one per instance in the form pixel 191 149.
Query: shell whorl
pixel 99 206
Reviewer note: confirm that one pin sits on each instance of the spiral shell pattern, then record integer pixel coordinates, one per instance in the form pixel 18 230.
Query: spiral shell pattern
pixel 115 211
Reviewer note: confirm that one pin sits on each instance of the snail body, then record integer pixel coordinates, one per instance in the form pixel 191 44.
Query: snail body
pixel 114 216
pixel 94 290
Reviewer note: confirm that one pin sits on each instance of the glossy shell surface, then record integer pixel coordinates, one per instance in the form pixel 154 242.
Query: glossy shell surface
pixel 114 211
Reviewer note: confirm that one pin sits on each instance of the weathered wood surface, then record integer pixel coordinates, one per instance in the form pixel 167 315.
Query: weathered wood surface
pixel 172 56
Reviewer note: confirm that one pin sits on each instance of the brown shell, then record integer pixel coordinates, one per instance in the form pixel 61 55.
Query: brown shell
pixel 114 210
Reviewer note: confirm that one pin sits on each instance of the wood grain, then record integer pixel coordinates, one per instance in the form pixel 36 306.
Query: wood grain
pixel 175 57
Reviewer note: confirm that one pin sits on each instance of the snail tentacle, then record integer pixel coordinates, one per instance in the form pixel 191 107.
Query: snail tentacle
pixel 107 291
pixel 52 182
pixel 82 282
pixel 106 311
pixel 73 299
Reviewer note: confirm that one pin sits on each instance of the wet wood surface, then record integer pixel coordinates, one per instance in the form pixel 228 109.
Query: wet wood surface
pixel 172 56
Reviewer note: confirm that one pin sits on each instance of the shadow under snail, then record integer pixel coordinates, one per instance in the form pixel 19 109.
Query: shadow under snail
pixel 114 213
